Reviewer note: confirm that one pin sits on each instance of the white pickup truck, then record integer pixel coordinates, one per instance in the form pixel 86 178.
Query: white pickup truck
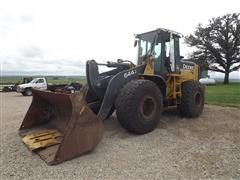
pixel 41 83
pixel 38 83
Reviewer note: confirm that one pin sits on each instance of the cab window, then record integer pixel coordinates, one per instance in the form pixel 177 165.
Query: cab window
pixel 157 55
pixel 40 81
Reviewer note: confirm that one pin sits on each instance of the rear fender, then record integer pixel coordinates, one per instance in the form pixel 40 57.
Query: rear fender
pixel 115 84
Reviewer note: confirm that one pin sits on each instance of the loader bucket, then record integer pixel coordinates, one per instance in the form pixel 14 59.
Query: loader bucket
pixel 59 127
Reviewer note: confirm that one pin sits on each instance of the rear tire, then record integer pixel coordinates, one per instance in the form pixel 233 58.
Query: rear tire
pixel 192 100
pixel 139 106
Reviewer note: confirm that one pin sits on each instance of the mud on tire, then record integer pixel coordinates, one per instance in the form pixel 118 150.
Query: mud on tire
pixel 139 106
pixel 192 100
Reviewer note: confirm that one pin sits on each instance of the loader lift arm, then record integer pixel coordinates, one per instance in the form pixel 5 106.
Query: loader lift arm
pixel 103 88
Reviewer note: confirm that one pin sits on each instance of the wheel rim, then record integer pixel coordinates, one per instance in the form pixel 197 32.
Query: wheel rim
pixel 148 107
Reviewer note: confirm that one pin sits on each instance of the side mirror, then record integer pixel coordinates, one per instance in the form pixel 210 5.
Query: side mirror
pixel 181 57
pixel 135 42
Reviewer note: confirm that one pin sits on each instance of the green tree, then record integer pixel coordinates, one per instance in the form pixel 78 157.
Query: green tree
pixel 218 44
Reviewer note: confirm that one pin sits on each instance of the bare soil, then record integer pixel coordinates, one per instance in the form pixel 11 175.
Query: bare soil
pixel 205 147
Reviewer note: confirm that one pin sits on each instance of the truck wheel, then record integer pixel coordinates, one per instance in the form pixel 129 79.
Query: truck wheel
pixel 192 100
pixel 28 92
pixel 139 106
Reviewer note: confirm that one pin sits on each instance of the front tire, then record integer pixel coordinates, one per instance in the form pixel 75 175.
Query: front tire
pixel 192 100
pixel 28 92
pixel 139 106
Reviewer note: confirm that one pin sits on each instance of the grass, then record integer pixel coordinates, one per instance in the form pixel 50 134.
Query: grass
pixel 223 94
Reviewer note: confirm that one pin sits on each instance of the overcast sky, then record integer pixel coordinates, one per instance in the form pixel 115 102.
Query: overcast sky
pixel 56 37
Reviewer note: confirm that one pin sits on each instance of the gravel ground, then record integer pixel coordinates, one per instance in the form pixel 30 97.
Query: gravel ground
pixel 206 147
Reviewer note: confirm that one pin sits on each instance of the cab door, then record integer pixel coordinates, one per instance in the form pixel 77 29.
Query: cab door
pixel 40 84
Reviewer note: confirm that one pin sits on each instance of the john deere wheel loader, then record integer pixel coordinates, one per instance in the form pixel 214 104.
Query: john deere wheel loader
pixel 59 126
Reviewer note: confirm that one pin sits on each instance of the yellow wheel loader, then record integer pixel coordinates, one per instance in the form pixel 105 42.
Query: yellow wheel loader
pixel 59 127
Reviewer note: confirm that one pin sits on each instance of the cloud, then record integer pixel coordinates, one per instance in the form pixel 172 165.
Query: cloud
pixel 41 66
pixel 26 18
pixel 32 51
pixel 40 37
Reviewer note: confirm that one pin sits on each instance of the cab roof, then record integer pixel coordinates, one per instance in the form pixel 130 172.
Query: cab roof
pixel 161 30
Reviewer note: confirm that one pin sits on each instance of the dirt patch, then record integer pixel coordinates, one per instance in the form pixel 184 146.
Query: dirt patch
pixel 205 147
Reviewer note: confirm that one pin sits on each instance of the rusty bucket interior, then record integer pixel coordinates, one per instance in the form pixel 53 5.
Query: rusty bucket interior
pixel 59 127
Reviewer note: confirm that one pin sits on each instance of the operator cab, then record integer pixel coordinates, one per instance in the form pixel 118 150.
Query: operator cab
pixel 163 44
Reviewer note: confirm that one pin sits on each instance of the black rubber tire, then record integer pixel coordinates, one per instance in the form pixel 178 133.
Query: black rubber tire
pixel 192 100
pixel 28 92
pixel 130 105
pixel 23 93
